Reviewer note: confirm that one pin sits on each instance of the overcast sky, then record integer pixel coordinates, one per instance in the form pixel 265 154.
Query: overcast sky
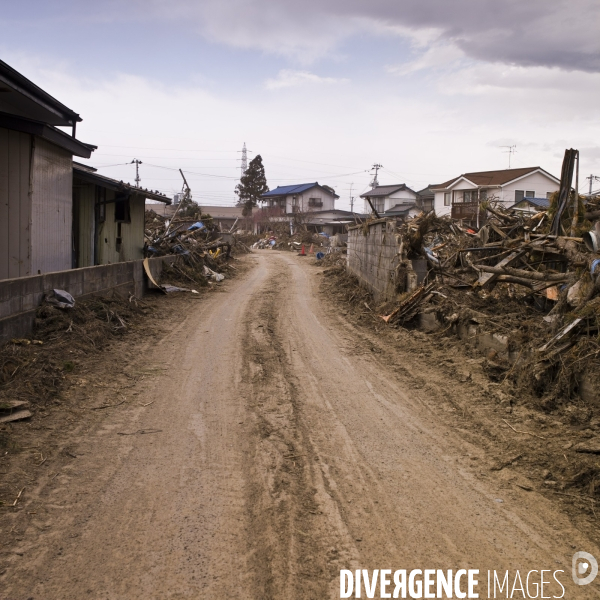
pixel 322 89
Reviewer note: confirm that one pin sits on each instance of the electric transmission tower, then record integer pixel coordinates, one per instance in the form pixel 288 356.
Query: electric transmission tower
pixel 375 181
pixel 244 165
pixel 137 171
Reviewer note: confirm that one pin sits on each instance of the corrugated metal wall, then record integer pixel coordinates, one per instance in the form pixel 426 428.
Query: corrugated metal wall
pixel 15 206
pixel 132 234
pixel 51 208
pixel 84 197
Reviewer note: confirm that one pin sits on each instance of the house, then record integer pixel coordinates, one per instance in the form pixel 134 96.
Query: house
pixel 461 196
pixel 36 178
pixel 426 197
pixel 386 197
pixel 300 198
pixel 108 218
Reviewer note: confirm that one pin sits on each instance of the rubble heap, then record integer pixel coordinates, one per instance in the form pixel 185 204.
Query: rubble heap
pixel 538 291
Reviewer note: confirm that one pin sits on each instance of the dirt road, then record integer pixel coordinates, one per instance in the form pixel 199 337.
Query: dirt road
pixel 273 447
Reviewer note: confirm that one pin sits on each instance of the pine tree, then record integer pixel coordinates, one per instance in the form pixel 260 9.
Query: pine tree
pixel 252 185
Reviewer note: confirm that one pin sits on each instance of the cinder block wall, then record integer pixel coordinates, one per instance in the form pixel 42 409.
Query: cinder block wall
pixel 20 297
pixel 373 256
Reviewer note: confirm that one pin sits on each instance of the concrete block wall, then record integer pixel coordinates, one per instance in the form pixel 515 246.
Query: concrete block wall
pixel 20 297
pixel 373 257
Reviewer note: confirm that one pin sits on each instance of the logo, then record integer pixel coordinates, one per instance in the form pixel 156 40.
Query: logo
pixel 585 568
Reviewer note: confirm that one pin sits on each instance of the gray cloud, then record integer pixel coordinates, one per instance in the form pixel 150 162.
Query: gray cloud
pixel 552 33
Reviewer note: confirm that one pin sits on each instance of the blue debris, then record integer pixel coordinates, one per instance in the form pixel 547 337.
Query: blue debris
pixel 196 225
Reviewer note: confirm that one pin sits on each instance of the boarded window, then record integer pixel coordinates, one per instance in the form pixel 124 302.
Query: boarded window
pixel 519 195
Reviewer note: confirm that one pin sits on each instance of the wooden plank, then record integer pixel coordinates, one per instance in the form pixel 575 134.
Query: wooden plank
pixel 16 416
pixel 14 201
pixel 3 203
pixel 489 277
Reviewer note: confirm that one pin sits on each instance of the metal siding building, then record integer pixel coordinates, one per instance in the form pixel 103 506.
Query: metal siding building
pixel 15 208
pixel 51 208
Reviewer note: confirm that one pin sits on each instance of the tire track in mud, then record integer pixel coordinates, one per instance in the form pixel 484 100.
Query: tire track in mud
pixel 292 552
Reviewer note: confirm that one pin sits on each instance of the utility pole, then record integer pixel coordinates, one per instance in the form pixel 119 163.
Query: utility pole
pixel 375 182
pixel 592 178
pixel 351 198
pixel 511 150
pixel 137 171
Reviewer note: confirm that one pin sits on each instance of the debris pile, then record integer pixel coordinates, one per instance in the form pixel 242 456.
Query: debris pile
pixel 520 285
pixel 204 250
pixel 538 291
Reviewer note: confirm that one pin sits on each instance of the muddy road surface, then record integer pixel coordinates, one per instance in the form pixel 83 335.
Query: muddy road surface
pixel 275 447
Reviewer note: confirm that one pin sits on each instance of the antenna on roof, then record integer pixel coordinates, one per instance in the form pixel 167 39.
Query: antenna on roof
pixel 511 150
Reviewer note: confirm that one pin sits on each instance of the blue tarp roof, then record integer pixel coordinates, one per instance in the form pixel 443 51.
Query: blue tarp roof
pixel 284 190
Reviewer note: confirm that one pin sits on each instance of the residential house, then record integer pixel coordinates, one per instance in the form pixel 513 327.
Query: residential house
pixel 301 198
pixel 36 178
pixel 108 218
pixel 397 197
pixel 426 197
pixel 461 196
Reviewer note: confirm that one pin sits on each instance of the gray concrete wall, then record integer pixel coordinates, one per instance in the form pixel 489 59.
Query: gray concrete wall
pixel 373 257
pixel 20 297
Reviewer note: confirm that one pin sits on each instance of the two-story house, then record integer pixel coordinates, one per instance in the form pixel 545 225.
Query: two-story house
pixel 461 196
pixel 397 198
pixel 301 198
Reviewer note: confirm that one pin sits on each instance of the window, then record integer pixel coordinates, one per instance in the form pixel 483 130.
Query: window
pixel 379 204
pixel 470 196
pixel 315 202
pixel 483 195
pixel 519 195
pixel 122 209
pixel 529 194
pixel 447 198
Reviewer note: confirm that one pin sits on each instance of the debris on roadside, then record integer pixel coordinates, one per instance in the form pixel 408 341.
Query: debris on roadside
pixel 525 286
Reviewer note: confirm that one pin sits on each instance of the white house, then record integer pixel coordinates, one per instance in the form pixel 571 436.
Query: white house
pixel 387 197
pixel 303 198
pixel 460 197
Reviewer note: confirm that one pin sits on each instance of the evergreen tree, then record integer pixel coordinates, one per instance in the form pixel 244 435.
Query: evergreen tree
pixel 252 185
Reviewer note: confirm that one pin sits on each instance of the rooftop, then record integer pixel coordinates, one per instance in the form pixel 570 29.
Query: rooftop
pixel 499 177
pixel 386 190
pixel 86 173
pixel 286 190
pixel 20 96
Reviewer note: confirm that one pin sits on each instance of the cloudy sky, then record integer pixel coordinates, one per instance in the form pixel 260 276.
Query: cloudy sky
pixel 322 89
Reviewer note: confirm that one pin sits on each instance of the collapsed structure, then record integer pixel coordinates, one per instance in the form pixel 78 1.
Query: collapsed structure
pixel 524 287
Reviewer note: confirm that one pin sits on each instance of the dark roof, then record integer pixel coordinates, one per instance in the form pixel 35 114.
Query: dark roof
pixel 286 190
pixel 495 177
pixel 53 135
pixel 20 96
pixel 542 203
pixel 85 173
pixel 386 190
pixel 400 209
pixel 428 191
